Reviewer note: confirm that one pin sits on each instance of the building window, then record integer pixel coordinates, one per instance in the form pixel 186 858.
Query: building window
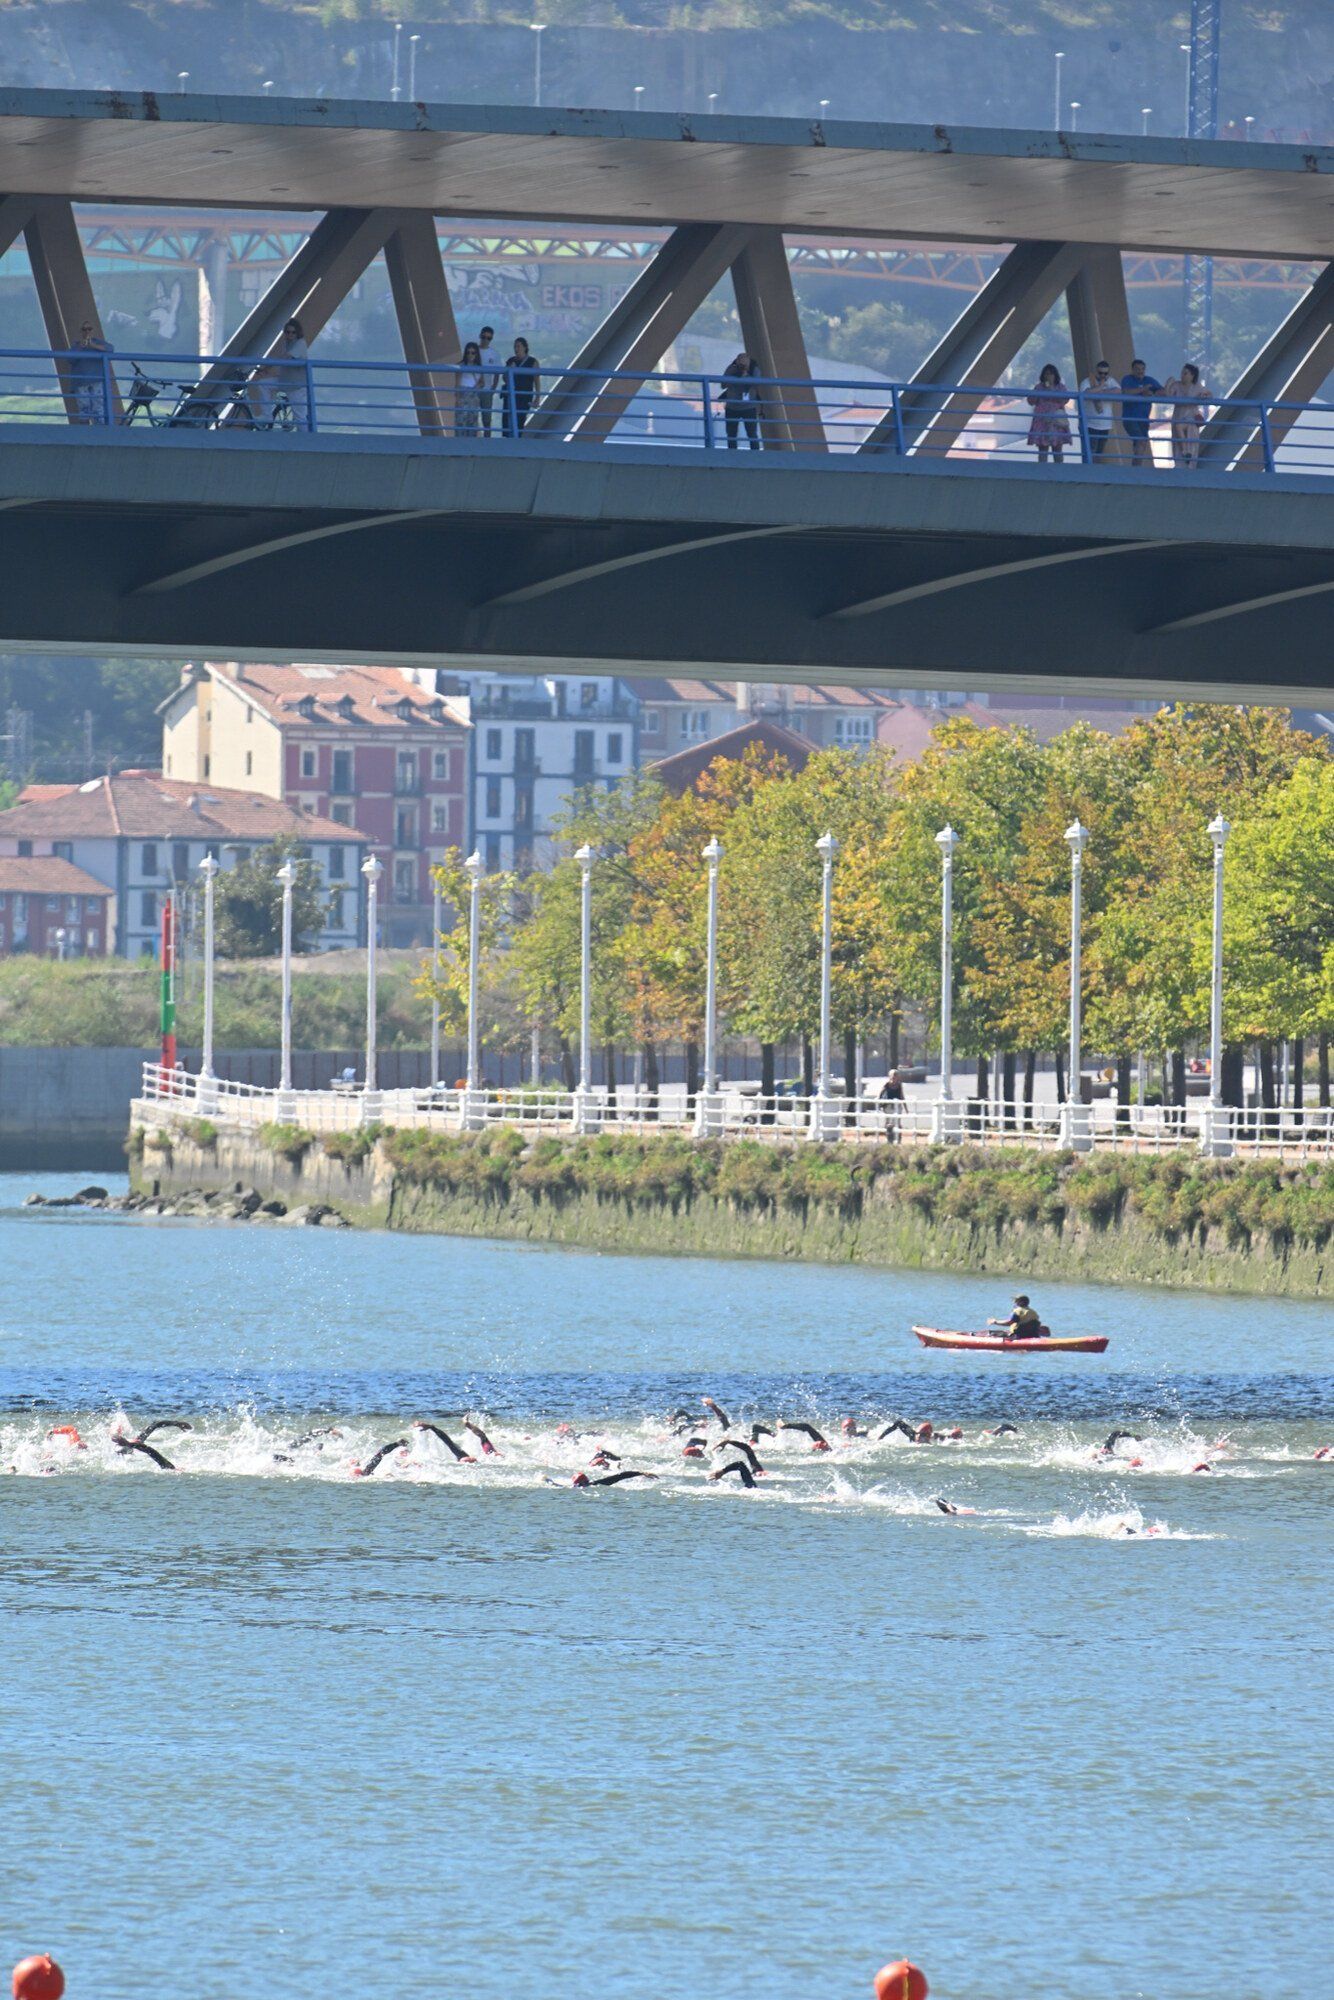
pixel 63 850
pixel 405 881
pixel 71 909
pixel 93 905
pixel 588 694
pixel 652 721
pixel 308 763
pixel 25 849
pixel 342 771
pixel 695 723
pixel 523 811
pixel 148 858
pixel 53 906
pixel 405 772
pixel 148 908
pixel 492 852
pixel 852 729
pixel 523 857
pixel 336 905
pixel 340 812
pixel 440 765
pixel 405 827
pixel 94 940
pixel 207 762
pixel 583 756
pixel 525 750
pixel 20 909
pixel 249 762
pixel 614 747
pixel 337 863
pixel 493 749
pixel 439 819
pixel 493 798
pixel 180 862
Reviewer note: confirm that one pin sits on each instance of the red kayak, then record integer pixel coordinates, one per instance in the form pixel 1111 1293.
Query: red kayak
pixel 996 1343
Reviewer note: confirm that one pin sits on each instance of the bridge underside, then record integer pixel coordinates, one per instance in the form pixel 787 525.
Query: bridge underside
pixel 638 559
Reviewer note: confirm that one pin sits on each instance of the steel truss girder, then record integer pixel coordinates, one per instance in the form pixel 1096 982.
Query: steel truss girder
pixel 771 333
pixel 1291 367
pixel 64 292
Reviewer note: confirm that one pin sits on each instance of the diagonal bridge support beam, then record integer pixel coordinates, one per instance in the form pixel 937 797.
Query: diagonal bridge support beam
pixel 64 293
pixel 1291 367
pixel 771 333
pixel 980 346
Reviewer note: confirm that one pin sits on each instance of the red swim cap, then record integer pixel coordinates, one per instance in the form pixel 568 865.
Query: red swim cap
pixel 900 1981
pixel 924 1432
pixel 38 1978
pixel 820 1444
pixel 581 1479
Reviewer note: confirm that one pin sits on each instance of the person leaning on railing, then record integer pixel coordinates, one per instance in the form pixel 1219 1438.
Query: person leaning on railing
pixel 1139 389
pixel 740 401
pixel 87 377
pixel 1096 394
pixel 523 380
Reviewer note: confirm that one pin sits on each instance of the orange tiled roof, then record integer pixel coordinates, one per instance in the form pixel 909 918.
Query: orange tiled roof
pixel 144 806
pixel 364 697
pixel 46 875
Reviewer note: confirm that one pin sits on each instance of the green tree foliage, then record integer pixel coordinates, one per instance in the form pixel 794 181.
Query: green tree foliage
pixel 248 903
pixel 119 697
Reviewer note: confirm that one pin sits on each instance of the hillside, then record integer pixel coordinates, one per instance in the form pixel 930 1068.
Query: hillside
pixel 979 61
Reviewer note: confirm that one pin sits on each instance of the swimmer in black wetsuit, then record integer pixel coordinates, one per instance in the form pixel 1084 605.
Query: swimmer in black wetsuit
pixel 602 1458
pixel 714 1410
pixel 818 1441
pixel 1118 1437
pixel 463 1457
pixel 149 1451
pixel 741 1469
pixel 607 1479
pixel 694 1447
pixel 897 1424
pixel 373 1462
pixel 747 1451
pixel 488 1449
pixel 161 1424
pixel 758 1431
pixel 1003 1430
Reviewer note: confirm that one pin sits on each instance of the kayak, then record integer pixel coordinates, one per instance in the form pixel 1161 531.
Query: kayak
pixel 995 1343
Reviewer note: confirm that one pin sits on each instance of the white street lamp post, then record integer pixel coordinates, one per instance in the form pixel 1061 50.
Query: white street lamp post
pixel 1074 114
pixel 436 917
pixel 286 1107
pixel 208 868
pixel 472 1107
pixel 394 90
pixel 412 66
pixel 1076 1121
pixel 1056 113
pixel 372 869
pixel 824 1113
pixel 538 28
pixel 945 1119
pixel 639 95
pixel 1185 120
pixel 709 1102
pixel 585 1116
pixel 1217 1138
pixel 1145 113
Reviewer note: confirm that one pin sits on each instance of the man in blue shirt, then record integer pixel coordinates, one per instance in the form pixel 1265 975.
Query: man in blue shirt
pixel 1136 410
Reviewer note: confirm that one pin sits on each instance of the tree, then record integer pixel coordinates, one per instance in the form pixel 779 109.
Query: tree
pixel 496 894
pixel 248 903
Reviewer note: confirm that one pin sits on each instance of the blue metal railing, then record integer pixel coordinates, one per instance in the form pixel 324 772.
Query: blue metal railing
pixel 959 422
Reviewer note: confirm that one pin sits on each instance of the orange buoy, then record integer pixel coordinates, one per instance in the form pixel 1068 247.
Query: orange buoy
pixel 38 1978
pixel 900 1981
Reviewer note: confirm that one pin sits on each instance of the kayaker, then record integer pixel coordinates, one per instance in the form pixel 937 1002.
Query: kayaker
pixel 1023 1323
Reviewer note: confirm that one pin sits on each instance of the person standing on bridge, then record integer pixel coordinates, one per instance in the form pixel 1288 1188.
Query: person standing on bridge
pixel 294 354
pixel 86 377
pixel 1050 428
pixel 1137 408
pixel 468 392
pixel 491 367
pixel 1097 393
pixel 740 402
pixel 1187 416
pixel 523 379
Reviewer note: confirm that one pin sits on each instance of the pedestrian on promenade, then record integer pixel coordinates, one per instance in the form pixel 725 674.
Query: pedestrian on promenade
pixel 468 392
pixel 1050 429
pixel 1139 389
pixel 86 376
pixel 491 366
pixel 1188 416
pixel 739 401
pixel 294 353
pixel 1097 393
pixel 524 379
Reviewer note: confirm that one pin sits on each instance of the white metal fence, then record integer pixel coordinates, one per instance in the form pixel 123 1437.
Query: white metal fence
pixel 737 1112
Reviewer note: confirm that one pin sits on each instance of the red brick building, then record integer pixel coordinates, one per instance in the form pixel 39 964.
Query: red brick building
pixel 364 746
pixel 52 909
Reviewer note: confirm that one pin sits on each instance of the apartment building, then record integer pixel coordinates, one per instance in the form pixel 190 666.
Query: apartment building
pixel 680 713
pixel 51 909
pixel 140 835
pixel 365 747
pixel 536 740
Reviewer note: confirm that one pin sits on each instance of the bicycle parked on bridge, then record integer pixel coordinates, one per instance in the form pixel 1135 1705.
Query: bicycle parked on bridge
pixel 235 400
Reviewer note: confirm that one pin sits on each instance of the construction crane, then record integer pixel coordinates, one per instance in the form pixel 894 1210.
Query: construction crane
pixel 1201 123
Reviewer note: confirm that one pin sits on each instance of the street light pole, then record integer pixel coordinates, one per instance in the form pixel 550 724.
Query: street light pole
pixel 1217 1139
pixel 436 914
pixel 1076 1127
pixel 822 1114
pixel 473 864
pixel 1056 113
pixel 208 868
pixel 944 1122
pixel 583 1097
pixel 538 28
pixel 372 868
pixel 394 89
pixel 707 1106
pixel 287 876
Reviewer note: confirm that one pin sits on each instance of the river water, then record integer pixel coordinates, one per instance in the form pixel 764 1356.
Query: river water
pixel 467 1728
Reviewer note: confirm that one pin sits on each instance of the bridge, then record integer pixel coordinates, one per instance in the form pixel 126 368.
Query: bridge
pixel 896 533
